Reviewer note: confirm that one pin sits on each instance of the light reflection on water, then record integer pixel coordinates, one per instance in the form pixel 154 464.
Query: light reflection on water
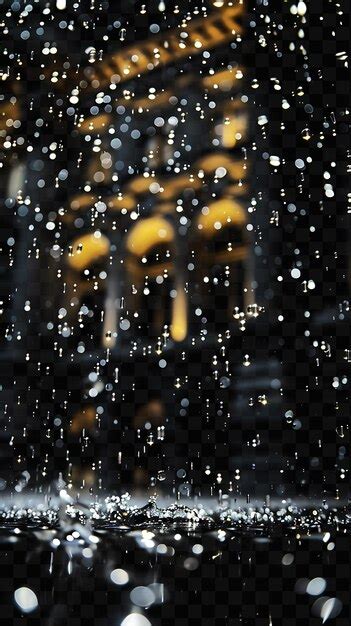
pixel 116 512
pixel 138 565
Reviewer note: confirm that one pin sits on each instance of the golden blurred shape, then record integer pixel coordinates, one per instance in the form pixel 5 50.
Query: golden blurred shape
pixel 87 249
pixel 219 214
pixel 148 233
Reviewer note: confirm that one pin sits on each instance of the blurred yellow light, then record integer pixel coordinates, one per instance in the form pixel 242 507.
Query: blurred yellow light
pixel 221 213
pixel 179 325
pixel 88 249
pixel 148 233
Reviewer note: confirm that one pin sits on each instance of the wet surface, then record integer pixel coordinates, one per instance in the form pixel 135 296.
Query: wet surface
pixel 116 562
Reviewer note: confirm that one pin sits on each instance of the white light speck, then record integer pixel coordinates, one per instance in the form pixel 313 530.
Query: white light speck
pixel 135 619
pixel 119 577
pixel 26 599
